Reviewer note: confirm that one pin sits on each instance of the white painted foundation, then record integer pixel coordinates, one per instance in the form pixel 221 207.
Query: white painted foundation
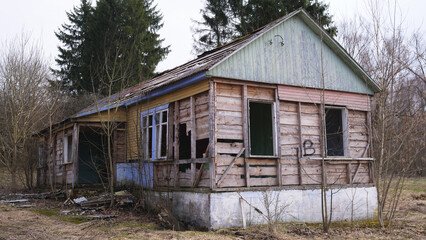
pixel 223 210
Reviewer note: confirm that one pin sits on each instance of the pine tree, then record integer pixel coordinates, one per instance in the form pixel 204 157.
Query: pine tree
pixel 121 46
pixel 73 61
pixel 225 20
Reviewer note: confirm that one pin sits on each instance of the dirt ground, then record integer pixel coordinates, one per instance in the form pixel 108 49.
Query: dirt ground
pixel 45 220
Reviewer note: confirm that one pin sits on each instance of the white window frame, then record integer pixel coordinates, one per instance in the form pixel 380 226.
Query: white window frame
pixel 157 122
pixel 345 135
pixel 67 153
pixel 274 129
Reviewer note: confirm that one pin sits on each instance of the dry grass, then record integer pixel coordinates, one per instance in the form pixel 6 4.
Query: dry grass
pixel 43 222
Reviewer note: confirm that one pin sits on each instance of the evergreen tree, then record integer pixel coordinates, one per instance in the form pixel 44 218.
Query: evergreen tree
pixel 225 20
pixel 121 46
pixel 73 59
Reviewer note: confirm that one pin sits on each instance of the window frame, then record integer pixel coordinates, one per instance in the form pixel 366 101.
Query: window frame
pixel 156 133
pixel 274 129
pixel 345 136
pixel 66 152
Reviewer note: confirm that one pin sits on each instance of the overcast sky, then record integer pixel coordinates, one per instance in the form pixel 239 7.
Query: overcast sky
pixel 40 18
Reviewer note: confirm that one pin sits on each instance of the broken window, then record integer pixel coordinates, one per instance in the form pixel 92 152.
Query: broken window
pixel 154 133
pixel 184 142
pixel 335 131
pixel 67 141
pixel 261 129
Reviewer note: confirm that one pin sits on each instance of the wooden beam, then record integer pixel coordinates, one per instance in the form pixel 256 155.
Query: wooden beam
pixel 170 127
pixel 200 173
pixel 356 172
pixel 299 166
pixel 212 135
pixel 230 166
pixel 74 154
pixel 278 138
pixel 370 142
pixel 245 134
pixel 193 138
pixel 348 172
pixel 176 144
pixel 299 150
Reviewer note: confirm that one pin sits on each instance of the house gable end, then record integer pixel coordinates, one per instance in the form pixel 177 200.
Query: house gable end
pixel 290 53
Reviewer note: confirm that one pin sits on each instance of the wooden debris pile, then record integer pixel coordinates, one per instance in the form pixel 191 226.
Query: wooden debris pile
pixel 121 199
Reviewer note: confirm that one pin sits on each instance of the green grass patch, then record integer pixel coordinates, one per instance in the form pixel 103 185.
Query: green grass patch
pixel 53 213
pixel 415 185
pixel 47 212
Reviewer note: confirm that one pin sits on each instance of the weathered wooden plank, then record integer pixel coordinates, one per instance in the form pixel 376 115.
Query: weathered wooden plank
pixel 229 132
pixel 228 103
pixel 229 120
pixel 260 93
pixel 309 95
pixel 263 171
pixel 212 132
pixel 263 181
pixel 290 179
pixel 289 118
pixel 230 166
pixel 225 160
pixel 278 136
pixel 288 106
pixel 244 111
pixel 198 178
pixel 228 90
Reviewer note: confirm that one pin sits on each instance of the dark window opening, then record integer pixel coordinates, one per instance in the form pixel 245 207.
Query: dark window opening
pixel 334 132
pixel 201 146
pixel 184 142
pixel 261 129
pixel 69 148
pixel 163 146
pixel 184 167
pixel 149 142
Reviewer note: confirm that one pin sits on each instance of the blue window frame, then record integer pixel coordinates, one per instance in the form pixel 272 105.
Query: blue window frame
pixel 154 127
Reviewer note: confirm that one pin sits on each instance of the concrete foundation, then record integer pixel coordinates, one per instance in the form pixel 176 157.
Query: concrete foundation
pixel 224 210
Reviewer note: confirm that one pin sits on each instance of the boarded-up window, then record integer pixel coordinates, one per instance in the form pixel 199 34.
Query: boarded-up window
pixel 334 132
pixel 261 129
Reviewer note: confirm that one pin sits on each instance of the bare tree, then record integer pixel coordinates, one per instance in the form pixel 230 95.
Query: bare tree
pixel 23 75
pixel 397 66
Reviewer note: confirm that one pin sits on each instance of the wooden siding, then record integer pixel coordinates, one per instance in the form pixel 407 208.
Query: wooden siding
pixel 133 113
pixel 309 95
pixel 299 123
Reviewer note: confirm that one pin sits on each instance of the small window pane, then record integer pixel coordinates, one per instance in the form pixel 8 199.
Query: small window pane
pixel 149 143
pixel 157 118
pixel 164 116
pixel 150 120
pixel 163 144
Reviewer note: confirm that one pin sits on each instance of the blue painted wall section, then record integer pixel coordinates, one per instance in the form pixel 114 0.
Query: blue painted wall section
pixel 135 174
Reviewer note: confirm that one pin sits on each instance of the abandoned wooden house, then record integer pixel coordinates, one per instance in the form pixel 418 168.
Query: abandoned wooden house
pixel 213 135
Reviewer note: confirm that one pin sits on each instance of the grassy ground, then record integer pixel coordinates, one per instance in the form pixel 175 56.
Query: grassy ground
pixel 45 221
